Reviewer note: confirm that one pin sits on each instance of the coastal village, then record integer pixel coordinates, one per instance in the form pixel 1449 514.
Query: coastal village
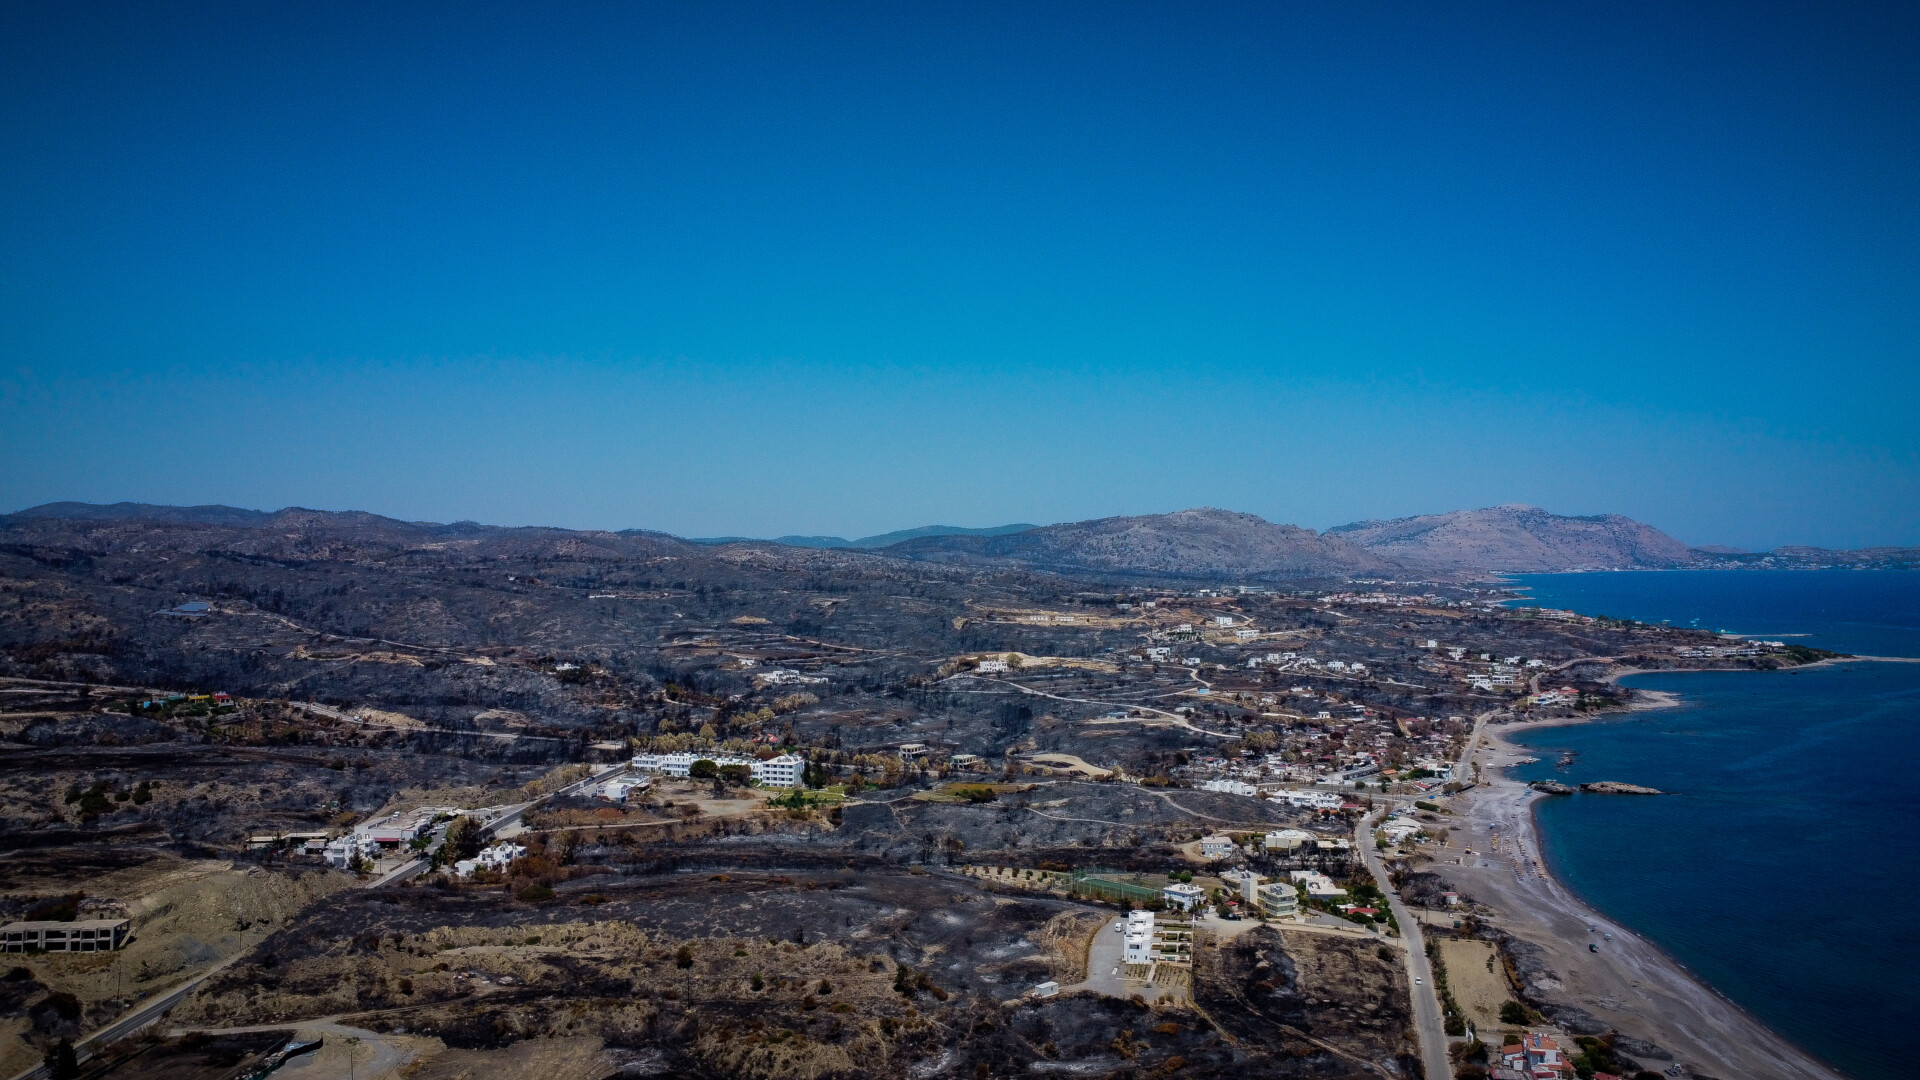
pixel 1153 788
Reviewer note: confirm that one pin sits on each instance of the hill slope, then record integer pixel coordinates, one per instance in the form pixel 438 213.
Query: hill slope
pixel 1191 543
pixel 1517 538
pixel 881 540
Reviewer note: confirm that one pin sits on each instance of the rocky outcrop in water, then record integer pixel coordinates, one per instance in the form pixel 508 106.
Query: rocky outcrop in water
pixel 1551 787
pixel 1614 787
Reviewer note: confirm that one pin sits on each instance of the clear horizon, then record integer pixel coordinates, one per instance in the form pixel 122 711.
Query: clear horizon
pixel 762 270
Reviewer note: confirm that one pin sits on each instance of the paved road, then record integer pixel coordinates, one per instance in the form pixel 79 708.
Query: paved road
pixel 509 817
pixel 1463 769
pixel 142 1015
pixel 148 1012
pixel 1103 967
pixel 1427 1018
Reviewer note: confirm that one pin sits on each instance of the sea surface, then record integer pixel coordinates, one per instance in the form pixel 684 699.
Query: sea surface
pixel 1784 871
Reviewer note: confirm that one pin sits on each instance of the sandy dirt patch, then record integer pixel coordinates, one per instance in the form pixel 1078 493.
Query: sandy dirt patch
pixel 1073 764
pixel 1478 982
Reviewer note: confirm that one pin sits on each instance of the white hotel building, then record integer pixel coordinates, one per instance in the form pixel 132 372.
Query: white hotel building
pixel 783 771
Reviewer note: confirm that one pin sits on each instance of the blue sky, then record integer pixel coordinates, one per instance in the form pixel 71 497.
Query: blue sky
pixel 757 269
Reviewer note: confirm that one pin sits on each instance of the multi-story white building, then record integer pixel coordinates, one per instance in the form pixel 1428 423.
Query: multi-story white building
pixel 782 771
pixel 1136 944
pixel 675 764
pixel 1277 900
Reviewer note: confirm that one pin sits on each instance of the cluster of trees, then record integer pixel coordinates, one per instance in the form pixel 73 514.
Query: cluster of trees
pixel 99 799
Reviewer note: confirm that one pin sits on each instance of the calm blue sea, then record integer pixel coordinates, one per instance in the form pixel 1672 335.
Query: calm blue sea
pixel 1784 871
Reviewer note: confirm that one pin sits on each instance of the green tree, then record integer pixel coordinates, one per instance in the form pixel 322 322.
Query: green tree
pixel 704 769
pixel 464 840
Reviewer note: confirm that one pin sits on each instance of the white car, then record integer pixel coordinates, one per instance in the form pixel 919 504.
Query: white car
pixel 1418 981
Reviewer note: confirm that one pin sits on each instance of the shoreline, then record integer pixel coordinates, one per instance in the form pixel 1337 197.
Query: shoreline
pixel 1636 986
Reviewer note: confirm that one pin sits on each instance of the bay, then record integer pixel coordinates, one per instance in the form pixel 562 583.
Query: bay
pixel 1781 870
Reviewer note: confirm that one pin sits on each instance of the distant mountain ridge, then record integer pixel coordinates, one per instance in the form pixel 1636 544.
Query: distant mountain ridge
pixel 1204 542
pixel 1518 539
pixel 1200 543
pixel 880 540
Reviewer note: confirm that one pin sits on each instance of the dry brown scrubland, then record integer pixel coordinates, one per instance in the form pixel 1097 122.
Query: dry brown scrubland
pixel 579 1058
pixel 818 1011
pixel 187 917
pixel 1067 938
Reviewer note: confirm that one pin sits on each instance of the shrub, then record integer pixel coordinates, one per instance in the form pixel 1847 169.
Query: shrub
pixel 535 893
pixel 1513 1012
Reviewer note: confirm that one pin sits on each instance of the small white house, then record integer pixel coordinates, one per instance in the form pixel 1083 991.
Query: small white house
pixel 1183 896
pixel 342 851
pixel 497 857
pixel 1286 840
pixel 1398 832
pixel 1318 885
pixel 620 787
pixel 1217 846
pixel 988 667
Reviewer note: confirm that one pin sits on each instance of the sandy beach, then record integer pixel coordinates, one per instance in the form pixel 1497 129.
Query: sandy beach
pixel 1631 984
